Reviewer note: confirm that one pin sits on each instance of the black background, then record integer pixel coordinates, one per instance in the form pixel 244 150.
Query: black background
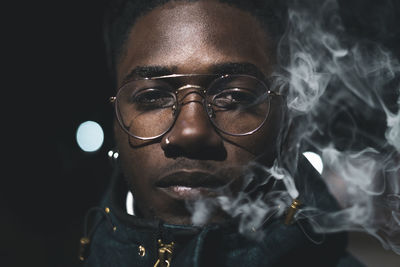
pixel 56 78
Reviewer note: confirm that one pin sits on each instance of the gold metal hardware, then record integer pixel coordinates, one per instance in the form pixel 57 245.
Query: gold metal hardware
pixel 187 86
pixel 142 251
pixel 273 93
pixel 292 211
pixel 84 244
pixel 164 254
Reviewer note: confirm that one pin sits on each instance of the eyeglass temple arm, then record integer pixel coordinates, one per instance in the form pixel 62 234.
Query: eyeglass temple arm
pixel 273 93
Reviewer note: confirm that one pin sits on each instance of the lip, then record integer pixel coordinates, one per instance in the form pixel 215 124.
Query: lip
pixel 184 185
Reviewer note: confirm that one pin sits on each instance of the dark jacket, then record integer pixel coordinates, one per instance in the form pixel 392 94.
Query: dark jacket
pixel 120 239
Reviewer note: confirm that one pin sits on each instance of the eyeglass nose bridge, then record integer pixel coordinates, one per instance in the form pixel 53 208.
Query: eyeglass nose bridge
pixel 202 92
pixel 198 90
pixel 187 86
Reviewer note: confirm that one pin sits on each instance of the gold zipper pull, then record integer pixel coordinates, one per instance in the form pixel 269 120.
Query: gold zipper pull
pixel 164 254
pixel 83 248
pixel 291 211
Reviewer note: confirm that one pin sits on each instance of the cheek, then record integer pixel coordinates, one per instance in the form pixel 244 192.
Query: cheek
pixel 136 162
pixel 139 163
pixel 264 143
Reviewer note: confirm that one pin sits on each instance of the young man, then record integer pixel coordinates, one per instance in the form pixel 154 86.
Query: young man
pixel 195 114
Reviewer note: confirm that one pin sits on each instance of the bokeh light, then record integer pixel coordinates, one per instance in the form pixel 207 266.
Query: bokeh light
pixel 90 136
pixel 315 160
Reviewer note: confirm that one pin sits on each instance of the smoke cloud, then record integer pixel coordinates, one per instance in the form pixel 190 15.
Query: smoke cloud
pixel 343 95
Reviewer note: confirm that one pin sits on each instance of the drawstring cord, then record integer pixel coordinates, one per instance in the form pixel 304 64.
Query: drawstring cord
pixel 85 240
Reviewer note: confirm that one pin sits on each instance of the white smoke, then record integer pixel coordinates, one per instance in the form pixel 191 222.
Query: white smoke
pixel 328 71
pixel 335 83
pixel 393 127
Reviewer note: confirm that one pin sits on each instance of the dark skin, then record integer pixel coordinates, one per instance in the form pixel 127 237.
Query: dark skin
pixel 200 37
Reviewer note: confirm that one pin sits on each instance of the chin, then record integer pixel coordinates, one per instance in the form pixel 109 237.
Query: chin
pixel 178 220
pixel 190 220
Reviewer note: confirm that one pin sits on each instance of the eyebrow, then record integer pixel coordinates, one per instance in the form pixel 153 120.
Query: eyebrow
pixel 220 69
pixel 147 72
pixel 238 68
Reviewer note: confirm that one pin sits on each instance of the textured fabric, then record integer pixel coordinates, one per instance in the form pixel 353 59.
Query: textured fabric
pixel 116 236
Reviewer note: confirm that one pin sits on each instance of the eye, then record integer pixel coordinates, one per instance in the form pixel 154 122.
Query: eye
pixel 152 98
pixel 233 98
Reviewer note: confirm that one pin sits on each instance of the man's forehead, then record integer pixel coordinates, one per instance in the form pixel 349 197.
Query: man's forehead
pixel 194 41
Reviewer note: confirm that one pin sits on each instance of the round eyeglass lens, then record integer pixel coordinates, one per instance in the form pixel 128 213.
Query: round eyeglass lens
pixel 239 103
pixel 146 108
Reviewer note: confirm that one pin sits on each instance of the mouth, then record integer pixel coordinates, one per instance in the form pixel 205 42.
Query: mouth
pixel 185 185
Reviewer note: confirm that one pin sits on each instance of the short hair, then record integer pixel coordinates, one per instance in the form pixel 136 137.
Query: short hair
pixel 121 15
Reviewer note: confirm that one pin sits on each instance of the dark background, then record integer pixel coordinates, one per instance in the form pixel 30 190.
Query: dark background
pixel 56 79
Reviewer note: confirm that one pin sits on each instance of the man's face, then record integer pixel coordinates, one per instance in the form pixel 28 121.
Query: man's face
pixel 192 157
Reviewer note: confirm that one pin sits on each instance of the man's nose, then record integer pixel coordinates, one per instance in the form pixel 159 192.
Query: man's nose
pixel 193 135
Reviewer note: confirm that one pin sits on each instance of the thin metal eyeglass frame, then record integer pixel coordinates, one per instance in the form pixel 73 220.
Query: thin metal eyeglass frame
pixel 206 105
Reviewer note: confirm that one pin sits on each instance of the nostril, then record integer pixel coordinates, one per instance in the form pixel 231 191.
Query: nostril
pixel 173 151
pixel 206 149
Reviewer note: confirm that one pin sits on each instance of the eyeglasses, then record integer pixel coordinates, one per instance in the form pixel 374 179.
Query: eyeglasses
pixel 236 105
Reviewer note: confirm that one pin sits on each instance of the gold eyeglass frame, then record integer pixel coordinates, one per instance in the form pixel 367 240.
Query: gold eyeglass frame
pixel 176 106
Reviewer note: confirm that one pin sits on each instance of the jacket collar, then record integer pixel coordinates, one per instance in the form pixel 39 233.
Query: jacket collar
pixel 313 193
